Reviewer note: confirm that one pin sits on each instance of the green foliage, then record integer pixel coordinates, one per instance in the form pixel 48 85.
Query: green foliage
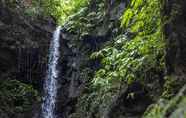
pixel 62 9
pixel 16 97
pixel 156 110
pixel 86 20
pixel 125 59
pixel 132 59
pixel 142 16
pixel 171 86
pixel 95 102
pixel 128 59
pixel 174 108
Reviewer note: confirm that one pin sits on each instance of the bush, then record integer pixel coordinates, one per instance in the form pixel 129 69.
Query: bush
pixel 16 97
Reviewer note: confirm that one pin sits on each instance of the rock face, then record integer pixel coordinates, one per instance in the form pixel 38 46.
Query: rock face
pixel 24 42
pixel 23 57
pixel 175 37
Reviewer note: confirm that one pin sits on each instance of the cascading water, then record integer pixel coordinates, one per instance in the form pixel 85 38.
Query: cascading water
pixel 51 85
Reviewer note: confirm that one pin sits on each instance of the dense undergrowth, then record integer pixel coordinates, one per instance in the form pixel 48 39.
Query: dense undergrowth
pixel 16 98
pixel 61 9
pixel 136 54
pixel 174 108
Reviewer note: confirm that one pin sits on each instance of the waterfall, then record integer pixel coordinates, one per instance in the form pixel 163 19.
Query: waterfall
pixel 51 83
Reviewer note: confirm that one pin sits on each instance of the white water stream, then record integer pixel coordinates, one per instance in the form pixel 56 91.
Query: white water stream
pixel 51 83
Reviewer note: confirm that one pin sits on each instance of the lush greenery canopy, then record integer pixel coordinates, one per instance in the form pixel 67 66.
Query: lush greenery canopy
pixel 62 9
